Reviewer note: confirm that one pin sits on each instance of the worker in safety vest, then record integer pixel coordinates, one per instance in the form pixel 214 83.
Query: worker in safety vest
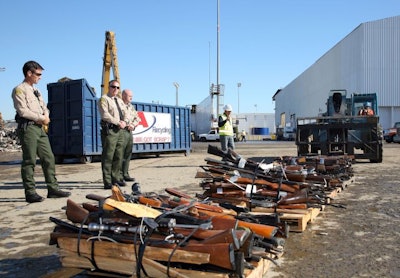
pixel 225 125
pixel 366 110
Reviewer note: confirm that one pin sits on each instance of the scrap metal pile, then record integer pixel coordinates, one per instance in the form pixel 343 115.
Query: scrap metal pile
pixel 177 235
pixel 8 137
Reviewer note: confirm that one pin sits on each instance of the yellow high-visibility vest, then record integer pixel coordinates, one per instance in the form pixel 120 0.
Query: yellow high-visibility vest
pixel 227 128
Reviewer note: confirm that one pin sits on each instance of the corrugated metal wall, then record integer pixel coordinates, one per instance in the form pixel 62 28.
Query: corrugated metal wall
pixel 365 61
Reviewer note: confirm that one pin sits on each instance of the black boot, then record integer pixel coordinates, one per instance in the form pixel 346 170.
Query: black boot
pixel 129 179
pixel 119 183
pixel 34 198
pixel 58 194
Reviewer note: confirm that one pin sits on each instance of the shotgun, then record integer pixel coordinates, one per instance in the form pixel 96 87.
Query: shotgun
pixel 272 185
pixel 176 202
pixel 220 222
pixel 186 201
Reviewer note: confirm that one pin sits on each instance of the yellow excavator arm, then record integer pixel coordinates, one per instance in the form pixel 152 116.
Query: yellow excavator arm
pixel 110 61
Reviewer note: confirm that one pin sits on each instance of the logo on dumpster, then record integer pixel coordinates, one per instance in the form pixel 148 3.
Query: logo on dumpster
pixel 152 128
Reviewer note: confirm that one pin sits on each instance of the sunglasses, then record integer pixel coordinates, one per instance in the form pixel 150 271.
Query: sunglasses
pixel 114 87
pixel 36 73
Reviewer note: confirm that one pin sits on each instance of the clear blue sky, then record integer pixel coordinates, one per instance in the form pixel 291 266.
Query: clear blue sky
pixel 264 44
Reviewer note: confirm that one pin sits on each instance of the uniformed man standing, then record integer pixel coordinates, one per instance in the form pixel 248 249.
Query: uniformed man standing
pixel 132 121
pixel 113 121
pixel 32 117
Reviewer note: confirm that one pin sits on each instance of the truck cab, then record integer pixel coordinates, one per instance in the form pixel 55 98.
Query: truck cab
pixel 212 135
pixel 390 133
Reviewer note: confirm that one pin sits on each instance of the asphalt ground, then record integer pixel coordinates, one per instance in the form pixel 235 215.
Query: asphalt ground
pixel 359 241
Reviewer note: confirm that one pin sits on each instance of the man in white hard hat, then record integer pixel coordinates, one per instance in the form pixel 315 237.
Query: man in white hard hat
pixel 366 110
pixel 225 125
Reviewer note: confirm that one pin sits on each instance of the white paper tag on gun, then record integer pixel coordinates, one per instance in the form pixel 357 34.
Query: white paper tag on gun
pixel 242 163
pixel 249 187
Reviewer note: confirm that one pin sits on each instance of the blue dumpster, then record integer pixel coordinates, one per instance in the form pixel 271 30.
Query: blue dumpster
pixel 74 131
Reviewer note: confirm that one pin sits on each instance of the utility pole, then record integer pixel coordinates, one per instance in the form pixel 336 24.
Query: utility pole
pixel 176 84
pixel 238 85
pixel 218 85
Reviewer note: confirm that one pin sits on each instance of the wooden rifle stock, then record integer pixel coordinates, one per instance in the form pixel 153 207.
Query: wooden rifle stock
pixel 273 185
pixel 233 236
pixel 117 194
pixel 229 193
pixel 90 207
pixel 299 177
pixel 99 198
pixel 177 193
pixel 300 197
pixel 181 201
pixel 95 197
pixel 265 231
pixel 221 254
pixel 224 221
pixel 76 213
pixel 150 202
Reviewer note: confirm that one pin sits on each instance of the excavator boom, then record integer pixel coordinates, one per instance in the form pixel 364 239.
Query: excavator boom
pixel 110 61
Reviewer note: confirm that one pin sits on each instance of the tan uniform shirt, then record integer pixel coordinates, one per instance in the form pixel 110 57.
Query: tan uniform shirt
pixel 131 115
pixel 27 104
pixel 109 111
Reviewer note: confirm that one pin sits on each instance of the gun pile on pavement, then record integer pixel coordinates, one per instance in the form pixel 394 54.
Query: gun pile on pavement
pixel 287 182
pixel 221 231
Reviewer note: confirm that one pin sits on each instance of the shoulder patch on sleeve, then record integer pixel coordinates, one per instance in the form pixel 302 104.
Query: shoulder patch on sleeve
pixel 18 91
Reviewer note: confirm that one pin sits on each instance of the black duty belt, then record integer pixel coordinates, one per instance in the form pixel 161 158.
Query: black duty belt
pixel 109 125
pixel 33 123
pixel 23 124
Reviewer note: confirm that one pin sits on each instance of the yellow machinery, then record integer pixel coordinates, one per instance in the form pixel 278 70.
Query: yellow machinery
pixel 110 60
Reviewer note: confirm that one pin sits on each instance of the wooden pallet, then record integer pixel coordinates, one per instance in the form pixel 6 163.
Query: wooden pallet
pixel 334 192
pixel 260 269
pixel 297 221
pixel 123 262
pixel 296 218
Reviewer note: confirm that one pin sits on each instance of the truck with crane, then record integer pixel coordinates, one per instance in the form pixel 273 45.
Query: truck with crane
pixel 342 130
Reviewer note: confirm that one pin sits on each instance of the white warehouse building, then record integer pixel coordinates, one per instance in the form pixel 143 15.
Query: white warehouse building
pixel 366 61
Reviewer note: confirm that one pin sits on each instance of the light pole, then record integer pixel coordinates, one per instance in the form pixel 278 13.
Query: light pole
pixel 238 85
pixel 176 84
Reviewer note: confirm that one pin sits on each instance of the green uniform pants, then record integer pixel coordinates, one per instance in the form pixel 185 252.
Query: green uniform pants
pixel 111 156
pixel 127 155
pixel 35 143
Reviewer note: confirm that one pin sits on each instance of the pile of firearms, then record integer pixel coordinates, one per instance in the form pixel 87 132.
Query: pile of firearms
pixel 177 235
pixel 274 182
pixel 161 236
